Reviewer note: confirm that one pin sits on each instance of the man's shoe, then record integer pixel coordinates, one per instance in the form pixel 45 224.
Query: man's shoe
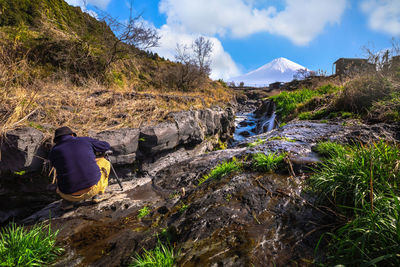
pixel 66 205
pixel 98 198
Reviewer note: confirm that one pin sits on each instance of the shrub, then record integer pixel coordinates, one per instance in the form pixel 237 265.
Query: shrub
pixel 267 163
pixel 386 110
pixel 359 94
pixel 221 170
pixel 20 247
pixel 161 255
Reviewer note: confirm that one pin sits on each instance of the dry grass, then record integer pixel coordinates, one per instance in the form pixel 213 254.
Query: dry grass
pixel 94 107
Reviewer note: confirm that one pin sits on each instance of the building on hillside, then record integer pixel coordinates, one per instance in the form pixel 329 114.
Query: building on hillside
pixel 350 66
pixel 275 85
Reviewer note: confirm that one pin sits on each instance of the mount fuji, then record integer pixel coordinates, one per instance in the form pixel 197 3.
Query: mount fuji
pixel 278 70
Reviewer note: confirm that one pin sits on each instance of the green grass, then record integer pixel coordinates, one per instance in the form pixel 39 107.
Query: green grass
pixel 282 138
pixel 221 170
pixel 361 183
pixel 258 142
pixel 34 247
pixel 161 255
pixel 287 102
pixel 329 149
pixel 183 207
pixel 267 163
pixel 143 212
pixel 312 115
pixel 345 179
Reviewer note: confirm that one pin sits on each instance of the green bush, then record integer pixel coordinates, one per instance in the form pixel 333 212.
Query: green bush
pixel 20 247
pixel 221 170
pixel 267 163
pixel 161 255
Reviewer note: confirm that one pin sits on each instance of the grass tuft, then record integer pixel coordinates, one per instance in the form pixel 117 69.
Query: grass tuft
pixel 258 142
pixel 362 184
pixel 221 170
pixel 20 247
pixel 143 212
pixel 267 163
pixel 161 255
pixel 329 149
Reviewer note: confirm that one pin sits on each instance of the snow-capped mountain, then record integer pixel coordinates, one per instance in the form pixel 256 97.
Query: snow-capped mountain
pixel 278 70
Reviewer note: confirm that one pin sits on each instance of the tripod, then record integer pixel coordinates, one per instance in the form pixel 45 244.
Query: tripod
pixel 106 156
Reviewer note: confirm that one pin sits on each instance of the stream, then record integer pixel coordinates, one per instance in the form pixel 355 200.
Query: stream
pixel 249 124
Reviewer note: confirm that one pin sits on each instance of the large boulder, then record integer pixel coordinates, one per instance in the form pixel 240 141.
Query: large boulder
pixel 124 144
pixel 189 130
pixel 158 138
pixel 23 149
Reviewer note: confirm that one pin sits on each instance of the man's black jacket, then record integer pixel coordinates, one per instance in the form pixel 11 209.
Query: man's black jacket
pixel 75 162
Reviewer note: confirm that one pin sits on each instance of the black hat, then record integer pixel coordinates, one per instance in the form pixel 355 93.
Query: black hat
pixel 63 131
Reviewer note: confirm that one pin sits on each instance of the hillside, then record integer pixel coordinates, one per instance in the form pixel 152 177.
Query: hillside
pixel 59 65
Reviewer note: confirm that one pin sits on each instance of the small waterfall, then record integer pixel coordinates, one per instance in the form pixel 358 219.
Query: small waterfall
pixel 259 121
pixel 269 123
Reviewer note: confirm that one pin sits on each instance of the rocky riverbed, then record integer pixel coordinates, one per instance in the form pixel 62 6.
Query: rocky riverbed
pixel 242 219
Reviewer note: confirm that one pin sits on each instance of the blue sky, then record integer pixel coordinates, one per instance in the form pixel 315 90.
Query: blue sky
pixel 250 33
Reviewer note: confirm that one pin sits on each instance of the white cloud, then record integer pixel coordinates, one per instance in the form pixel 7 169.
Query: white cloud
pixel 222 64
pixel 384 15
pixel 102 4
pixel 299 20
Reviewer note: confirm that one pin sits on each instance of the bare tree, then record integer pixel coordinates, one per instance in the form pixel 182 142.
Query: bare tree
pixel 195 62
pixel 130 35
pixel 302 74
pixel 202 49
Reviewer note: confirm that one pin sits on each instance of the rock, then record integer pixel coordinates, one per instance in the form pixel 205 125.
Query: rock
pixel 124 144
pixel 189 130
pixel 158 138
pixel 245 134
pixel 23 149
pixel 266 108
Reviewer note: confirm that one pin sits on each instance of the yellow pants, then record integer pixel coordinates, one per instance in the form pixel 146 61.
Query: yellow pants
pixel 100 187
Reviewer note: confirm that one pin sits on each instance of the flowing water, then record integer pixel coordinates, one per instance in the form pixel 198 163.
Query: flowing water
pixel 246 125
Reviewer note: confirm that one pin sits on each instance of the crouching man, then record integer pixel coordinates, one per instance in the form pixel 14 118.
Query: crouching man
pixel 80 175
